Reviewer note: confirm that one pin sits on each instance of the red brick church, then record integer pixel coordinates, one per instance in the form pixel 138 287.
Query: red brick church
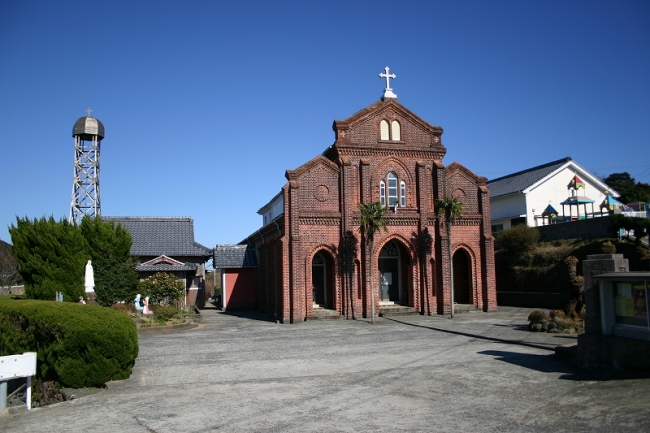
pixel 311 255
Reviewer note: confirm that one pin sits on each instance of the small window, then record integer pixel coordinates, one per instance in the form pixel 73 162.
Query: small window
pixel 382 193
pixel 402 194
pixel 392 189
pixel 496 228
pixel 383 130
pixel 395 130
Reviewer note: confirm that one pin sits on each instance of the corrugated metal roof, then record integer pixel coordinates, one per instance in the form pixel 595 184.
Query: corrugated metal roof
pixel 234 256
pixel 155 236
pixel 521 180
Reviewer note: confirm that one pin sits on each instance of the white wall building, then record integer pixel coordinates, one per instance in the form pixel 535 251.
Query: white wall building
pixel 520 198
pixel 272 209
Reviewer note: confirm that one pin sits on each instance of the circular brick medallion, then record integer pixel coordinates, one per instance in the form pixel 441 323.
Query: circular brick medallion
pixel 322 193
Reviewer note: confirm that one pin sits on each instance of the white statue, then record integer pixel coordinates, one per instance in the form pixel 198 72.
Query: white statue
pixel 146 309
pixel 89 281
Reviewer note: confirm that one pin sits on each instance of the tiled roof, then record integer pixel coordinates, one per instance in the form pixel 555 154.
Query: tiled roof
pixel 166 267
pixel 155 236
pixel 521 180
pixel 234 256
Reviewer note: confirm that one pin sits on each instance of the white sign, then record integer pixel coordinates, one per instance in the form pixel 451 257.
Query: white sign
pixel 15 366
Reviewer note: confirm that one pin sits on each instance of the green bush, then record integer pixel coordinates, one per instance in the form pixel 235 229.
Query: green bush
pixel 519 239
pixel 77 345
pixel 127 309
pixel 165 312
pixel 608 247
pixel 162 288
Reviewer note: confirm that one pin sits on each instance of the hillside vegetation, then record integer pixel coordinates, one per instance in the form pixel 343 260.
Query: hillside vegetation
pixel 550 273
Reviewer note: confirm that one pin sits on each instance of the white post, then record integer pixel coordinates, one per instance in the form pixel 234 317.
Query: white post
pixel 3 395
pixel 28 400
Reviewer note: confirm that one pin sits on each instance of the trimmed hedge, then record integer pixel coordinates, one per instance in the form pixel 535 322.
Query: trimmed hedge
pixel 77 345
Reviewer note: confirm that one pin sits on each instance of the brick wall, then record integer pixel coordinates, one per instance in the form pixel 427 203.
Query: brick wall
pixel 321 199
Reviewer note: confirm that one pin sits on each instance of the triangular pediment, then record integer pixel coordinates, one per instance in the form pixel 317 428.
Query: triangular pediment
pixel 364 129
pixel 162 260
pixel 320 163
pixel 457 169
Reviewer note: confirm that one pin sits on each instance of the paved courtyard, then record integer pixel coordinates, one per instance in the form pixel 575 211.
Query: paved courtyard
pixel 480 372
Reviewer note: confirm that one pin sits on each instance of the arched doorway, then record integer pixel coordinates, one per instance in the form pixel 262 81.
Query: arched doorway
pixel 390 274
pixel 321 281
pixel 462 277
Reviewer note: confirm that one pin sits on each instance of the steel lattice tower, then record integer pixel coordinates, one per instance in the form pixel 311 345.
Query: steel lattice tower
pixel 88 133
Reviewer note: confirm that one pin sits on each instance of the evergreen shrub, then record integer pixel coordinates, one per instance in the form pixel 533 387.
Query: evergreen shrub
pixel 165 312
pixel 162 288
pixel 77 345
pixel 519 239
pixel 127 309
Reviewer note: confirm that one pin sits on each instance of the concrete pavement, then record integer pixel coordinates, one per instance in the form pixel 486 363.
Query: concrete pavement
pixel 477 372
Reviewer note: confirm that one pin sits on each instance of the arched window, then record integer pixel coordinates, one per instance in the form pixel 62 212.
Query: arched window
pixel 392 189
pixel 395 196
pixel 395 131
pixel 383 130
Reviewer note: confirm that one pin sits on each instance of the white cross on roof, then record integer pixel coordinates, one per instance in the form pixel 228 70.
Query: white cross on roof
pixel 388 92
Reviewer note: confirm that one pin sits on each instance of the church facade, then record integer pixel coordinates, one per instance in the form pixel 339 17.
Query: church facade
pixel 312 256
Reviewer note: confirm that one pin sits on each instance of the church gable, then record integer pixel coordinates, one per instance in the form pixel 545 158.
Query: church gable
pixel 465 186
pixel 317 182
pixel 388 125
pixel 312 259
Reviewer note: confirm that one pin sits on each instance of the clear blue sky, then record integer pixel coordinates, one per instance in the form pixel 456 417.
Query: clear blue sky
pixel 207 103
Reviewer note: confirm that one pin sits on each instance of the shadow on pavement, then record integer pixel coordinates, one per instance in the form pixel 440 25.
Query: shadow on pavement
pixel 550 364
pixel 474 335
pixel 542 363
pixel 514 327
pixel 252 315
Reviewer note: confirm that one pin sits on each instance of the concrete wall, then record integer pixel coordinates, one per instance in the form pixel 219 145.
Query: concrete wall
pixel 610 353
pixel 549 301
pixel 587 228
pixel 607 352
pixel 13 290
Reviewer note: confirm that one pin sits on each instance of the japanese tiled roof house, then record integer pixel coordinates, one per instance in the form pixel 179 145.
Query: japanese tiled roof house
pixel 166 244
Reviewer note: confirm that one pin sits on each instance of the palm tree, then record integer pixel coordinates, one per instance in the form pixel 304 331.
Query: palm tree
pixel 370 222
pixel 449 209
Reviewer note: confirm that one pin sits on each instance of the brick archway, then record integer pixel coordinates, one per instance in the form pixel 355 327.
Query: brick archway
pixel 321 278
pixel 463 277
pixel 474 283
pixel 394 264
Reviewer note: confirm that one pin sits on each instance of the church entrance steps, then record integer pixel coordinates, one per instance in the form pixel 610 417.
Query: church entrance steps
pixel 396 310
pixel 465 308
pixel 324 314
